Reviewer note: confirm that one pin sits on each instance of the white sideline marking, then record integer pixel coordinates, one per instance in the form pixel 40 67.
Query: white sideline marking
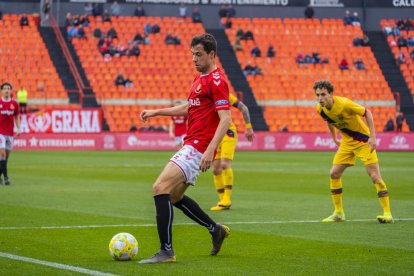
pixel 55 265
pixel 189 223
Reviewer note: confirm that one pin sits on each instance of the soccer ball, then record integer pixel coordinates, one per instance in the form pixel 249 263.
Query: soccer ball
pixel 123 247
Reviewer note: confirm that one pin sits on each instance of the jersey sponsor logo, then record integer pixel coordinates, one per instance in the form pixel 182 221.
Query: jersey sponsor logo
pixel 7 112
pixel 222 102
pixel 194 102
pixel 198 89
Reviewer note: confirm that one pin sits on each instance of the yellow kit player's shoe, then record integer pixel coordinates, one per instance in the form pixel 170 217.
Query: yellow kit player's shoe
pixel 335 217
pixel 220 207
pixel 386 218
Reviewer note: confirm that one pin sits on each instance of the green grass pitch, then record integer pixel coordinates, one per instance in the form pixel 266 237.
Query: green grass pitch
pixel 278 200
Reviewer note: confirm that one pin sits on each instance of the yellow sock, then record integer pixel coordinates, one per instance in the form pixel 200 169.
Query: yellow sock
pixel 336 194
pixel 228 185
pixel 383 197
pixel 219 184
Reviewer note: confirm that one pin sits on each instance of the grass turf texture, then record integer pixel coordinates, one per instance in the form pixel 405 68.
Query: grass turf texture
pixel 109 188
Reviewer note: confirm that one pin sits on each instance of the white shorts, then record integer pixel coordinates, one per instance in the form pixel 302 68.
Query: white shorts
pixel 188 161
pixel 6 142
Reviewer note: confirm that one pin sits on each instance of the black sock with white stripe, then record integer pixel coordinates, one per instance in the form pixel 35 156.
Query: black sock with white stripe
pixel 165 214
pixel 192 210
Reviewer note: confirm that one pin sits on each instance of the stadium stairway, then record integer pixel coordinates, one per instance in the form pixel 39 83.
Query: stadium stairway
pixel 60 63
pixel 236 77
pixel 392 74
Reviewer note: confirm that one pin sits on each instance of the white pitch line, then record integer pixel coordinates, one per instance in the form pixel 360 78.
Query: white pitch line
pixel 55 265
pixel 189 223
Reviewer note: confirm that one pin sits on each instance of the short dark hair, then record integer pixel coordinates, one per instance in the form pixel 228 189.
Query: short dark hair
pixel 207 40
pixel 5 84
pixel 321 84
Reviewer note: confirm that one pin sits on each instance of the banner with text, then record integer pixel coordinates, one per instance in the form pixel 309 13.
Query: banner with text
pixel 62 121
pixel 162 141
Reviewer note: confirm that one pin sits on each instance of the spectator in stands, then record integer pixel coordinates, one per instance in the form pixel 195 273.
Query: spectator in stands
pixel 156 29
pixel 393 42
pixel 146 40
pixel 72 32
pixel 45 12
pixel 316 57
pixel 343 65
pixel 87 9
pixel 251 70
pixel 387 30
pixel 24 21
pixel 120 80
pixel 240 34
pixel 396 31
pixel 97 9
pixel 355 20
pixel 97 33
pixel 128 84
pixel 139 11
pixel 22 100
pixel 121 50
pixel 389 126
pixel 410 41
pixel 408 25
pixel 84 20
pixel 81 32
pixel 237 46
pixel 228 24
pixel 112 50
pixel 300 59
pixel 365 41
pixel 309 12
pixel 105 16
pixel 347 18
pixel 196 16
pixel 112 33
pixel 412 55
pixel 401 42
pixel 172 40
pixel 222 11
pixel 307 59
pixel 133 128
pixel 400 24
pixel 399 120
pixel 135 51
pixel 231 11
pixel 256 52
pixel 284 128
pixel 147 29
pixel 248 35
pixel 115 9
pixel 138 38
pixel 68 20
pixel 359 64
pixel 182 10
pixel 270 53
pixel 357 42
pixel 400 58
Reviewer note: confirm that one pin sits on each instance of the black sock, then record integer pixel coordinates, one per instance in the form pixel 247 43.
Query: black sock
pixel 165 216
pixel 2 167
pixel 192 210
pixel 5 169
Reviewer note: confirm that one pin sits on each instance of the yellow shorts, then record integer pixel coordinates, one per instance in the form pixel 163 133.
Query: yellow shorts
pixel 227 146
pixel 346 155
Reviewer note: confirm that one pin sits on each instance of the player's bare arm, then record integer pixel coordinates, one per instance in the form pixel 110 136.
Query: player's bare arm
pixel 372 141
pixel 17 121
pixel 333 133
pixel 249 133
pixel 179 110
pixel 207 158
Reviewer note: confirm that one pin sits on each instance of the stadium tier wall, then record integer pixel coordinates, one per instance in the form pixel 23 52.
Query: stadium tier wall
pixel 370 17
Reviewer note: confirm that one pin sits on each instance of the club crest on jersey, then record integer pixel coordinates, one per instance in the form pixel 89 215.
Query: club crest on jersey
pixel 198 89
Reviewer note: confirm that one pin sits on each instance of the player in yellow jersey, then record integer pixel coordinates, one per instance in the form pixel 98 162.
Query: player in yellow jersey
pixel 358 140
pixel 222 170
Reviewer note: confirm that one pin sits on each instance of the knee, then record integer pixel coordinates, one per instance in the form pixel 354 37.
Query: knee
pixel 226 164
pixel 159 189
pixel 335 174
pixel 217 170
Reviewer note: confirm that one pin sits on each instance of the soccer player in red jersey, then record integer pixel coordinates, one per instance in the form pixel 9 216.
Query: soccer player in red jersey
pixel 178 127
pixel 208 112
pixel 9 114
